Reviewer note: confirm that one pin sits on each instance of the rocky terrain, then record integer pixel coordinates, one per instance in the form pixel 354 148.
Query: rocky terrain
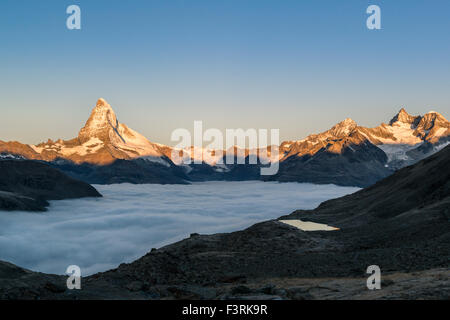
pixel 17 283
pixel 27 185
pixel 107 151
pixel 401 224
pixel 349 154
pixel 351 161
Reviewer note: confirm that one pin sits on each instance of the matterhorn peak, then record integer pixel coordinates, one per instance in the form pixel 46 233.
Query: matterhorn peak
pixel 102 119
pixel 120 140
pixel 102 106
pixel 102 103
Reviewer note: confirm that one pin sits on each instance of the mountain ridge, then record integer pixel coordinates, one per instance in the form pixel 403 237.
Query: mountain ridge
pixel 346 154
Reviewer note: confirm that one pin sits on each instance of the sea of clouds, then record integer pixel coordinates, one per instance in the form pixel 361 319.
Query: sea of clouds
pixel 100 233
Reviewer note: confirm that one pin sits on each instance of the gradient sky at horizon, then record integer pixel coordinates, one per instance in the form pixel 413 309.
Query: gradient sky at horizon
pixel 300 66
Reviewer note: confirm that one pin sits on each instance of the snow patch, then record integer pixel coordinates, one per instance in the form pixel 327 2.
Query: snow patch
pixel 397 151
pixel 7 156
pixel 158 160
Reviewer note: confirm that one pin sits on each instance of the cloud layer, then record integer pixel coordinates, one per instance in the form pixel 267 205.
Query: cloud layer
pixel 99 234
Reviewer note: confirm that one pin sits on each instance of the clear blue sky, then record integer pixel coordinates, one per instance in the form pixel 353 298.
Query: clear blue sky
pixel 299 66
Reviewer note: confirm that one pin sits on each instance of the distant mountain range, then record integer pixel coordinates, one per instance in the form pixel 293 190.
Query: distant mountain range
pixel 107 151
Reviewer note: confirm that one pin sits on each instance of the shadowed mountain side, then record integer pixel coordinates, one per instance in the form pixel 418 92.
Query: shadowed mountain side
pixel 135 171
pixel 424 184
pixel 227 172
pixel 352 161
pixel 27 185
pixel 11 201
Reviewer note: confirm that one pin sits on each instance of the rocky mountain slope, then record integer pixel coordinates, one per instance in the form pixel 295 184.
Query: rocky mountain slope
pixel 101 141
pixel 407 139
pixel 349 154
pixel 401 224
pixel 403 132
pixel 107 151
pixel 341 155
pixel 27 185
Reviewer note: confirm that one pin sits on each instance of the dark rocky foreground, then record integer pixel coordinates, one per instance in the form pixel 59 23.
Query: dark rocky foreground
pixel 27 185
pixel 18 283
pixel 401 224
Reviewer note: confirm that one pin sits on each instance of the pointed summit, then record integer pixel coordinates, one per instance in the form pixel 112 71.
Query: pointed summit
pixel 101 121
pixel 343 128
pixel 102 102
pixel 120 140
pixel 432 123
pixel 404 117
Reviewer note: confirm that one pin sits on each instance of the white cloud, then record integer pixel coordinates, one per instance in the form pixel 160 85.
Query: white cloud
pixel 99 234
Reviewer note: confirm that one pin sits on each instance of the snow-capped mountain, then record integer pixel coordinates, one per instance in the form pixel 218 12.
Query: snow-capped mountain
pixel 107 151
pixel 406 139
pixel 8 156
pixel 340 155
pixel 329 139
pixel 102 140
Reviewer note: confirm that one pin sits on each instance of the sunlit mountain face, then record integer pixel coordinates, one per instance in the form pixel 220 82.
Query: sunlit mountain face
pixel 346 154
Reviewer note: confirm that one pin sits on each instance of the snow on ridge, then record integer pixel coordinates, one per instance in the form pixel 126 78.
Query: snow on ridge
pixel 158 160
pixel 8 156
pixel 90 146
pixel 134 142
